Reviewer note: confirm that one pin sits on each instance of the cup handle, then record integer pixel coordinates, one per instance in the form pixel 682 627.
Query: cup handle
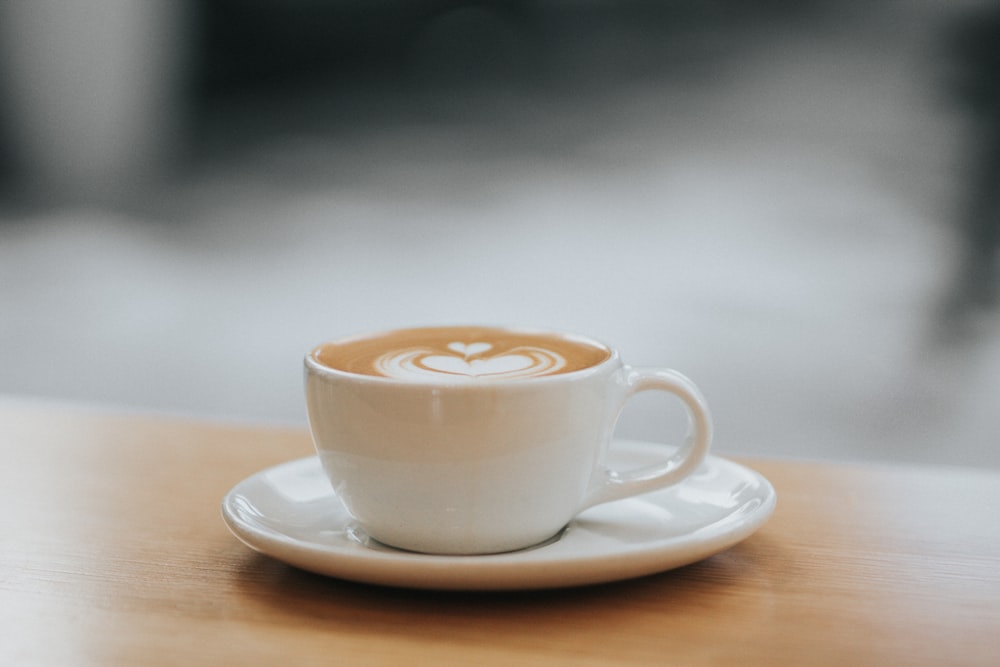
pixel 610 485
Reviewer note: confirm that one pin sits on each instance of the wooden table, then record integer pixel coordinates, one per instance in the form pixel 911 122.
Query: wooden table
pixel 113 552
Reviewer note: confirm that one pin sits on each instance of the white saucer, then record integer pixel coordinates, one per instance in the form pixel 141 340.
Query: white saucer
pixel 291 513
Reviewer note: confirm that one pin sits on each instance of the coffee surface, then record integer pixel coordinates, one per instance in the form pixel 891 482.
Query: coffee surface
pixel 461 354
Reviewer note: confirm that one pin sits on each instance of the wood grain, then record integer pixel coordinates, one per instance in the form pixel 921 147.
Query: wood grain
pixel 113 552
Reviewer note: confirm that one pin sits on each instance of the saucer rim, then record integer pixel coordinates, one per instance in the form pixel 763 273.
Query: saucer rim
pixel 526 569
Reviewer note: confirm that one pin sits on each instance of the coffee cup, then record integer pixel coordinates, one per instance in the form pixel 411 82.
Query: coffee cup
pixel 477 439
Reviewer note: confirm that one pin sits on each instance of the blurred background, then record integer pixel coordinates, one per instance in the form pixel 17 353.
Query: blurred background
pixel 796 203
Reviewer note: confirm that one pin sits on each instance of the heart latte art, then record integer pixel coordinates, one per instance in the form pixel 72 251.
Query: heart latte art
pixel 470 360
pixel 461 354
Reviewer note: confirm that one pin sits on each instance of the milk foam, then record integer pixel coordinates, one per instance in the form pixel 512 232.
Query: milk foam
pixel 468 362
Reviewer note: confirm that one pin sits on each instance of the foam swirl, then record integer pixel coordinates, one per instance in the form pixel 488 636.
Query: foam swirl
pixel 468 362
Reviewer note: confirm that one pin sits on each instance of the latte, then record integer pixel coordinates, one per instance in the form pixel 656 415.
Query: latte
pixel 461 354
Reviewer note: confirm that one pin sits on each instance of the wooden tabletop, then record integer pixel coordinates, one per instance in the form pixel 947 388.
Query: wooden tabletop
pixel 113 552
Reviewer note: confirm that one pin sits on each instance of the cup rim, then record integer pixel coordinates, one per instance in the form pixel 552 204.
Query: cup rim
pixel 316 367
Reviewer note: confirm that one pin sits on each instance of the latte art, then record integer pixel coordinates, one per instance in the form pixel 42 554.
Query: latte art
pixel 469 360
pixel 461 354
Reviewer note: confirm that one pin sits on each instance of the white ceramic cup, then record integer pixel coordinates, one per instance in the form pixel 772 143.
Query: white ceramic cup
pixel 475 467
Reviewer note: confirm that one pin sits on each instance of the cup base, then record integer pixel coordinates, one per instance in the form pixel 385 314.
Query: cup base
pixel 359 535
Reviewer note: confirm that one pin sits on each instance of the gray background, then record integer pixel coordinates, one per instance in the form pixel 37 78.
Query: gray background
pixel 769 197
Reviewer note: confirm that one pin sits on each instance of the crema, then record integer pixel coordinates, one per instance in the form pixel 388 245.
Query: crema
pixel 461 354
